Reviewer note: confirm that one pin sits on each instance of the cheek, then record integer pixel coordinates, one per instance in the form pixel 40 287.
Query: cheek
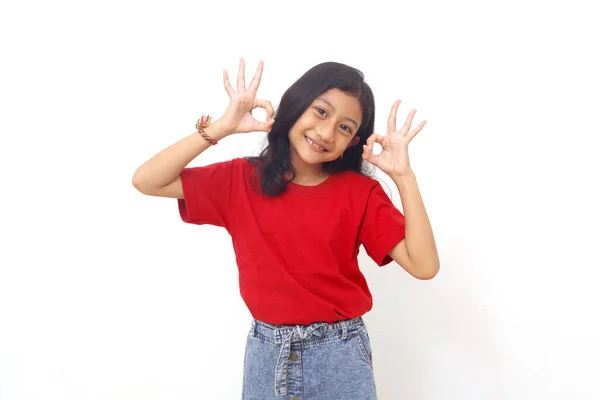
pixel 295 128
pixel 301 125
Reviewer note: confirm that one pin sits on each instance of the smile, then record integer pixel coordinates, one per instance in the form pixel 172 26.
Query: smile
pixel 314 146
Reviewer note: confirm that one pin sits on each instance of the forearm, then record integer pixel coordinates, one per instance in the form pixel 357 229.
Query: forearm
pixel 165 167
pixel 420 242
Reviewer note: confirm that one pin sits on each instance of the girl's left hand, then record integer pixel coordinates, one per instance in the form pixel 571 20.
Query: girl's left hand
pixel 393 159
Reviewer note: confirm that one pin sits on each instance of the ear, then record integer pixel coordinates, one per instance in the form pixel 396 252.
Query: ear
pixel 354 141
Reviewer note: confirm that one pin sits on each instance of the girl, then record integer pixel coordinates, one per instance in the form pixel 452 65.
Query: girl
pixel 297 215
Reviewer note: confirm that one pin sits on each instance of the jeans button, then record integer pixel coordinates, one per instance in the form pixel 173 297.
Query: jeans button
pixel 294 357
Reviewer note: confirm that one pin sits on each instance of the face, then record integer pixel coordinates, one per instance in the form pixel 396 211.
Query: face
pixel 326 129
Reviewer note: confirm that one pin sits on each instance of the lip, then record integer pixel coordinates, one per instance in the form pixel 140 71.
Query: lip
pixel 317 143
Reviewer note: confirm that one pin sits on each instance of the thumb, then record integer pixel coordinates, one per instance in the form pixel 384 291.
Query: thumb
pixel 265 126
pixel 368 155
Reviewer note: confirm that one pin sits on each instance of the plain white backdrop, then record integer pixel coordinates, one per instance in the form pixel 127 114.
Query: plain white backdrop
pixel 106 294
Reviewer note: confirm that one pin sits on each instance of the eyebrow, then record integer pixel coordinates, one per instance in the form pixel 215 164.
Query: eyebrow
pixel 331 105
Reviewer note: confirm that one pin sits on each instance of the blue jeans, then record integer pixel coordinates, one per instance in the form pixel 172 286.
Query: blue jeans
pixel 309 362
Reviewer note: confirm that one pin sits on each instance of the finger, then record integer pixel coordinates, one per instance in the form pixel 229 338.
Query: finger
pixel 368 155
pixel 374 138
pixel 409 120
pixel 392 119
pixel 266 104
pixel 241 81
pixel 227 84
pixel 417 129
pixel 256 80
pixel 264 126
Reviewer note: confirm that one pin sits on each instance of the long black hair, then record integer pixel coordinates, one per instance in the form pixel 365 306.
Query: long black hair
pixel 274 161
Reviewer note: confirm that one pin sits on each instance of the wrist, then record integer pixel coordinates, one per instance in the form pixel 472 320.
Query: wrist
pixel 403 179
pixel 216 130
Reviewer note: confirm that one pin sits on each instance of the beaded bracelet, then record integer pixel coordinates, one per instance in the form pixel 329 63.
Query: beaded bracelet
pixel 202 123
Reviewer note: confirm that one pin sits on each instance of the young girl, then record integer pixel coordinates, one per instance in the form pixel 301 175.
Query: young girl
pixel 297 215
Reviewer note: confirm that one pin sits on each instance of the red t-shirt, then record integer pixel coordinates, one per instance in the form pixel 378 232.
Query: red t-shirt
pixel 297 252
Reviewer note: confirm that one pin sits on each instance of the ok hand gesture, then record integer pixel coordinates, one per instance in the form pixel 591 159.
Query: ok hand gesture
pixel 238 116
pixel 393 160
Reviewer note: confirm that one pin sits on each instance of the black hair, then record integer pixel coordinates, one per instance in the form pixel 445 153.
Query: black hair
pixel 274 161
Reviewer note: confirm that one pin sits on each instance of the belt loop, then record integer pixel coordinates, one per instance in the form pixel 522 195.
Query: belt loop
pixel 344 332
pixel 253 328
pixel 277 336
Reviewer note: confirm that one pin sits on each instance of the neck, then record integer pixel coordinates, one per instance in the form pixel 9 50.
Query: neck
pixel 307 173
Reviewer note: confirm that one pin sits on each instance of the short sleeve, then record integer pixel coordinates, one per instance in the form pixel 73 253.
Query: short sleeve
pixel 382 227
pixel 207 193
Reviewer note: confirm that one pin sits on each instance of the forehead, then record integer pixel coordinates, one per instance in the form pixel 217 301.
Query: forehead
pixel 344 104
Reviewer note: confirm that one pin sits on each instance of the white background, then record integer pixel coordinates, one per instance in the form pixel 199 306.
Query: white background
pixel 106 294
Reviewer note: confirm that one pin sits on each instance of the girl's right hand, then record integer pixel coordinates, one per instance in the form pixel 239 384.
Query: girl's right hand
pixel 238 116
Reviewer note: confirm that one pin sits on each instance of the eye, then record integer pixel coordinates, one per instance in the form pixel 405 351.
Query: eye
pixel 323 113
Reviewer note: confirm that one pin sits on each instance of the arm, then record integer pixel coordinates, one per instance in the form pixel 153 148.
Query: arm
pixel 417 253
pixel 159 176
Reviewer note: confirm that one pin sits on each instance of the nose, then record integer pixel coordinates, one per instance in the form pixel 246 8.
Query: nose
pixel 326 132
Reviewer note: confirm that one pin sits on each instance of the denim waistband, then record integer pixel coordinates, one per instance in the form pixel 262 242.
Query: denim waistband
pixel 276 334
pixel 285 335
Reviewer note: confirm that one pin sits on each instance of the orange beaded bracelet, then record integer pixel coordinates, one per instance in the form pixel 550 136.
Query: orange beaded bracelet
pixel 202 123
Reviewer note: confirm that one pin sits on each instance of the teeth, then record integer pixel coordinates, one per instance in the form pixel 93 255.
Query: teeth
pixel 314 144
